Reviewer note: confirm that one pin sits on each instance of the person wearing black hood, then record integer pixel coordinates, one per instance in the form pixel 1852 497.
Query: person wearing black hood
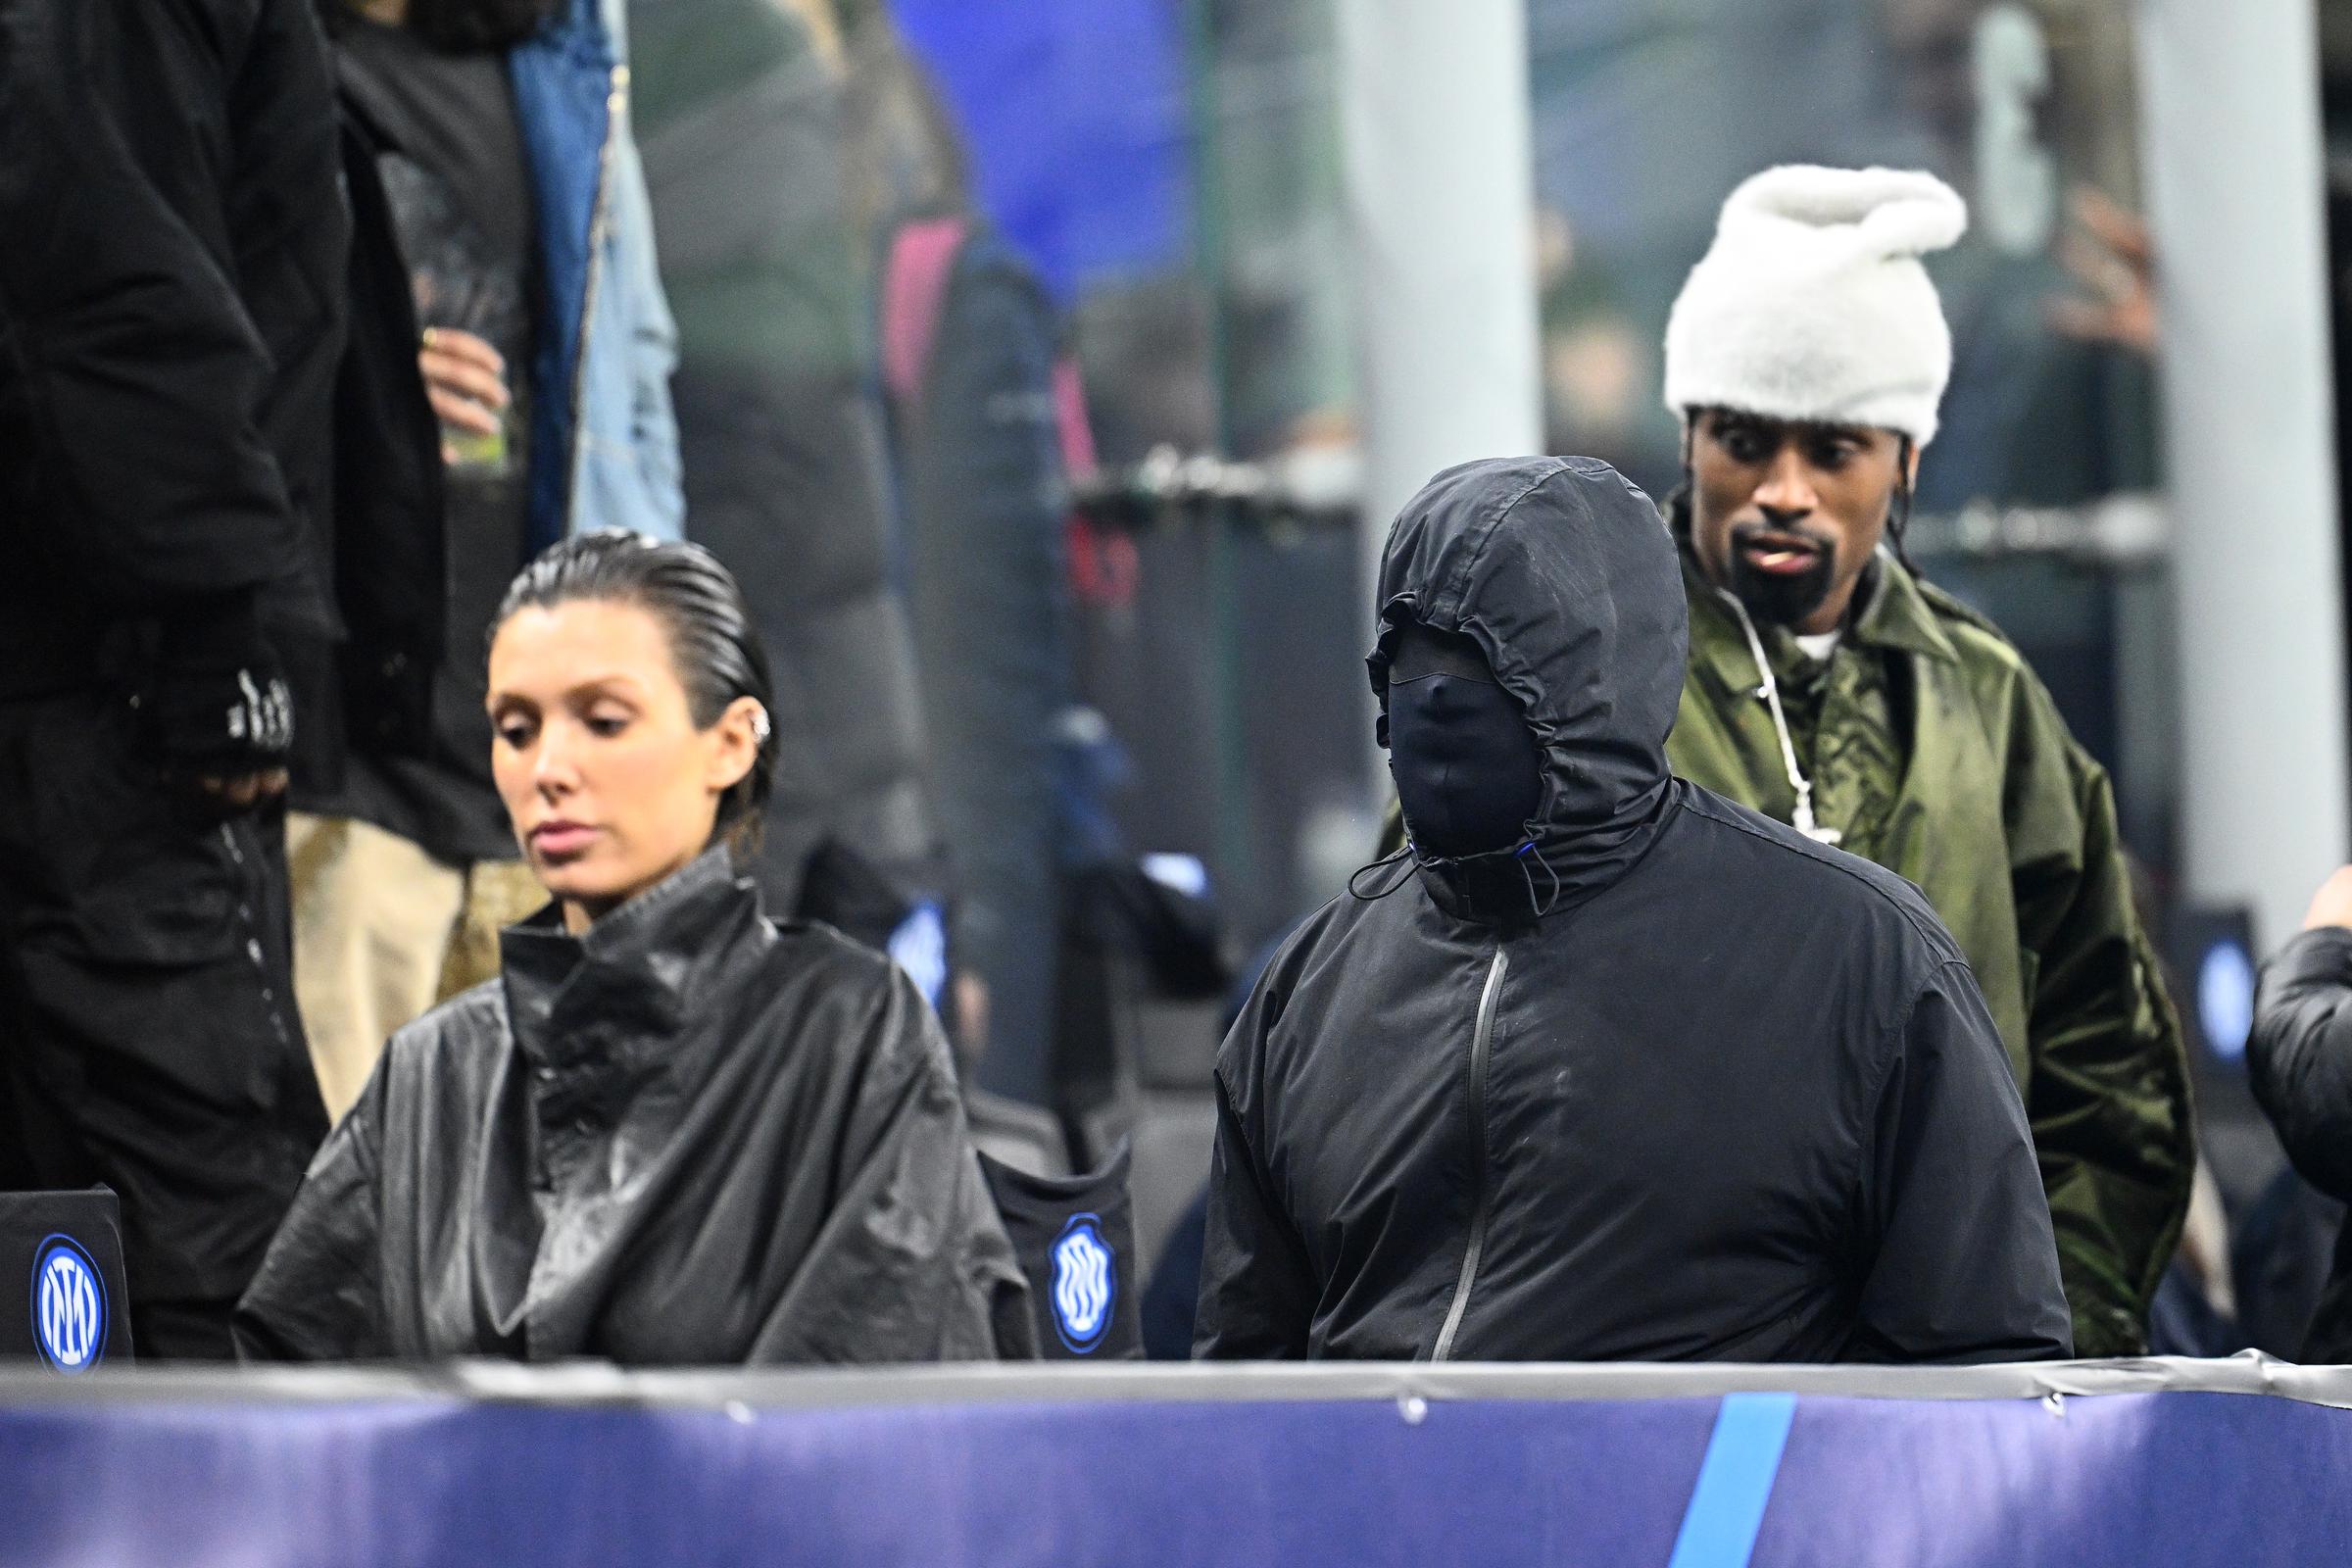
pixel 1615 1069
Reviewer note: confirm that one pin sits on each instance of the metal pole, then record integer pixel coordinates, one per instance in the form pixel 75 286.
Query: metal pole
pixel 1440 190
pixel 2232 137
pixel 1234 854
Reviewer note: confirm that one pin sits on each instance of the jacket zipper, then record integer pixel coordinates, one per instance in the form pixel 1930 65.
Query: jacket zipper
pixel 599 220
pixel 1482 1044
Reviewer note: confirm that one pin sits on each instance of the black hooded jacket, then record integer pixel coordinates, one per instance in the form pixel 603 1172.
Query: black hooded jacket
pixel 1667 1081
pixel 689 1137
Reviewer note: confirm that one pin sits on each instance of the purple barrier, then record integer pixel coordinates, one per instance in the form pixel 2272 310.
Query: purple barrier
pixel 1482 1466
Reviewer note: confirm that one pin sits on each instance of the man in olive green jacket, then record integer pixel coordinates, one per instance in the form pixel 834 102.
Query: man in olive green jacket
pixel 1830 688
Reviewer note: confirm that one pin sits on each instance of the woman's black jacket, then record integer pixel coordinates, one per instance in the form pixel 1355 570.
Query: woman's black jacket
pixel 692 1136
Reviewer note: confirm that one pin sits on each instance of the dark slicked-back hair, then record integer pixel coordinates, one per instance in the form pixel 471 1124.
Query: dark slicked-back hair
pixel 712 643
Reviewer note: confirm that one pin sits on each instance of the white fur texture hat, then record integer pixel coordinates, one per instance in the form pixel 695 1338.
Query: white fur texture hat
pixel 1812 303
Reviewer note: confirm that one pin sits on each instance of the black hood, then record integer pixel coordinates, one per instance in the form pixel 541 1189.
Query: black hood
pixel 1564 575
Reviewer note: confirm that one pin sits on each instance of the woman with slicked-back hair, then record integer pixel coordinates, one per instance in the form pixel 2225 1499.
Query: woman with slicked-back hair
pixel 674 1132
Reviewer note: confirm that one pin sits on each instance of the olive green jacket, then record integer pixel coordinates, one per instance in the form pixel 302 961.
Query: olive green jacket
pixel 1986 801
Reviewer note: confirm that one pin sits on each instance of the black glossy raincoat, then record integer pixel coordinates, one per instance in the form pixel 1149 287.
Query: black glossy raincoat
pixel 690 1137
pixel 2301 1059
pixel 1667 1081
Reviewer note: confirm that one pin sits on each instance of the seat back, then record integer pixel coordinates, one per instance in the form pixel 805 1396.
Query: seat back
pixel 63 1300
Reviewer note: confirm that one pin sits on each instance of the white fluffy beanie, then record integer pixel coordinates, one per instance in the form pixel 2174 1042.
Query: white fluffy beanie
pixel 1812 303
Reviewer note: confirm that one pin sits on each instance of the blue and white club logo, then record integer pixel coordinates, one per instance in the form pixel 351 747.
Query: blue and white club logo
pixel 1086 1282
pixel 68 1306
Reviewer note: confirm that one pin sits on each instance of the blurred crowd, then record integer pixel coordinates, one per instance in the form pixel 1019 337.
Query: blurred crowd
pixel 559 535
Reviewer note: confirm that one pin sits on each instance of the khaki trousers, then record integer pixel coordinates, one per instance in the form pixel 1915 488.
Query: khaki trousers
pixel 382 931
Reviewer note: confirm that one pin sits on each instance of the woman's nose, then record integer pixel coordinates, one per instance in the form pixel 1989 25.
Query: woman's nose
pixel 553 770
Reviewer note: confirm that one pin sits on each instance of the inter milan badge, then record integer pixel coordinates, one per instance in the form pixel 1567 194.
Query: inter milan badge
pixel 68 1306
pixel 1086 1283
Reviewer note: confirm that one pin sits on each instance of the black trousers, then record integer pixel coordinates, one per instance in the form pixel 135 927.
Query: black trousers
pixel 147 1036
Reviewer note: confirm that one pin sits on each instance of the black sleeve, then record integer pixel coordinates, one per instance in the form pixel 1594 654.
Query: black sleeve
pixel 2301 1054
pixel 1257 1291
pixel 318 1296
pixel 1959 1264
pixel 129 364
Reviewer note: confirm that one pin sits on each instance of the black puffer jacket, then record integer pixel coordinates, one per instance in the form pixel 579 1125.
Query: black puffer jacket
pixel 1673 1082
pixel 171 317
pixel 690 1137
pixel 2301 1057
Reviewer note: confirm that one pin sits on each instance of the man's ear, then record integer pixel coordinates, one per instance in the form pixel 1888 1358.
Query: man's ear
pixel 1911 479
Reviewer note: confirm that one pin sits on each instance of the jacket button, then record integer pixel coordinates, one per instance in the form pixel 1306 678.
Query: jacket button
pixel 546 1075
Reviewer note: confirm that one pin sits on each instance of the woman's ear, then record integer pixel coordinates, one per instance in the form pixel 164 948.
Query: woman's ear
pixel 738 736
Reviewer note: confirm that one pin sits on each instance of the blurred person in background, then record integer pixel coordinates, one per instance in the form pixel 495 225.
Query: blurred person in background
pixel 2300 1055
pixel 740 116
pixel 673 1132
pixel 978 416
pixel 2051 398
pixel 1833 689
pixel 506 385
pixel 1596 387
pixel 970 360
pixel 170 322
pixel 1615 1069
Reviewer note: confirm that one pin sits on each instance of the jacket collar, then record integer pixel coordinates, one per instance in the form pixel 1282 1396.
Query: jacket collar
pixel 1895 613
pixel 1516 886
pixel 637 966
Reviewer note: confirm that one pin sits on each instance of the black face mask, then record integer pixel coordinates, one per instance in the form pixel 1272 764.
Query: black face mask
pixel 1467 767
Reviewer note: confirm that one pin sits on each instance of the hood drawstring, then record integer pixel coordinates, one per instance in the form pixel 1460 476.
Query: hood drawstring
pixel 1546 905
pixel 1538 906
pixel 1360 896
pixel 1770 691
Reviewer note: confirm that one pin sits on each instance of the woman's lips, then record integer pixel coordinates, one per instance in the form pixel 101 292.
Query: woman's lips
pixel 560 839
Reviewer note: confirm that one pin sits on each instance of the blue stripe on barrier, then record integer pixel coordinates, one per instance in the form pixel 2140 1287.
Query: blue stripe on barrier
pixel 1735 1482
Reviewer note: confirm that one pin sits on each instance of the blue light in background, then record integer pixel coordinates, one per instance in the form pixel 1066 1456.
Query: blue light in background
pixel 2226 999
pixel 1076 118
pixel 920 947
pixel 1179 873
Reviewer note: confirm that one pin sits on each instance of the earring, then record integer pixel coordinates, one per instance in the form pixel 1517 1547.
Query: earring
pixel 761 729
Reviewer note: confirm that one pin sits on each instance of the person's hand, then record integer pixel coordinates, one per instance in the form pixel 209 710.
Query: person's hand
pixel 2333 904
pixel 466 381
pixel 2110 253
pixel 242 792
pixel 216 715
